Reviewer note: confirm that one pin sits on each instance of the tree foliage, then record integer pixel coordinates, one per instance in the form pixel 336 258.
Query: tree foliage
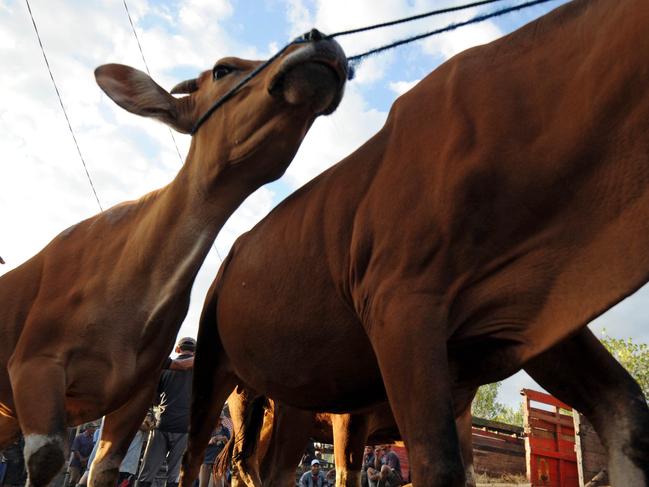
pixel 634 357
pixel 486 406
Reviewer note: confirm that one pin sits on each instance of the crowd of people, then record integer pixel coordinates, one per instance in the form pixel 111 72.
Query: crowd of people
pixel 163 436
pixel 381 467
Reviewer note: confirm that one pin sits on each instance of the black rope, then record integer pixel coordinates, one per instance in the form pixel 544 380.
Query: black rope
pixel 65 113
pixel 356 59
pixel 242 82
pixel 414 17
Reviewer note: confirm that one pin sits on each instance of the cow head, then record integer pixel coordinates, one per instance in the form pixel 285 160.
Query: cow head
pixel 256 133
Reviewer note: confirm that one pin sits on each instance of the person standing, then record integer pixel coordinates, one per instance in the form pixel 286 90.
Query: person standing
pixel 15 474
pixel 167 441
pixel 130 463
pixel 219 438
pixel 368 462
pixel 81 449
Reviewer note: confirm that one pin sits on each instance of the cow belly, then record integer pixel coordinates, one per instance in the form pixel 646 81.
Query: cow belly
pixel 304 355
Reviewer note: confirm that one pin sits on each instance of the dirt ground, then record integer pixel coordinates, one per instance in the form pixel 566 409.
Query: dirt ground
pixel 501 481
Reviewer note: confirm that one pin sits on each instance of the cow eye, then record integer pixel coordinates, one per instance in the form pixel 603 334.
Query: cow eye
pixel 221 70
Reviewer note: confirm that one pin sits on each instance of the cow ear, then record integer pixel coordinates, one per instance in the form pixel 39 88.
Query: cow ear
pixel 136 92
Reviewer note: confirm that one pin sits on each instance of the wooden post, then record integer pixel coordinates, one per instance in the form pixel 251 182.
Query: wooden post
pixel 526 433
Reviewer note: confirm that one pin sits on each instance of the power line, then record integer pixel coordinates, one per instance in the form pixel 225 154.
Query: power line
pixel 146 66
pixel 137 39
pixel 65 113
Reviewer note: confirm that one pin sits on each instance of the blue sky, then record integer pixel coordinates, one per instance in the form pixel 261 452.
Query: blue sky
pixel 43 188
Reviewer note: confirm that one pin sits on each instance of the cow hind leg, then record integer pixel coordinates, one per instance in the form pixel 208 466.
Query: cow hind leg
pixel 582 373
pixel 408 336
pixel 39 394
pixel 247 450
pixel 212 384
pixel 205 412
pixel 350 433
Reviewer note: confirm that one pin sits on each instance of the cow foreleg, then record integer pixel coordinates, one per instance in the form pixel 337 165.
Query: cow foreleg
pixel 39 391
pixel 350 434
pixel 582 373
pixel 464 423
pixel 119 429
pixel 409 339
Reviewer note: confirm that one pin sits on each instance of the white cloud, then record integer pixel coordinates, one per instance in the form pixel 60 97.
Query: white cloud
pixel 372 69
pixel 510 390
pixel 454 42
pixel 298 16
pixel 199 14
pixel 627 318
pixel 400 87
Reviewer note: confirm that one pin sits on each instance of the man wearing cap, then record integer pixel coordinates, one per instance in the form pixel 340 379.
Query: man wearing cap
pixel 168 439
pixel 81 449
pixel 314 477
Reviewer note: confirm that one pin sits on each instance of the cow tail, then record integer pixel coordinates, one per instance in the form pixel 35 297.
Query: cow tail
pixel 223 459
pixel 253 422
pixel 204 411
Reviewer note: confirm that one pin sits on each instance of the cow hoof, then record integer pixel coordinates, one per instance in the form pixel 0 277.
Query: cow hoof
pixel 44 458
pixel 103 478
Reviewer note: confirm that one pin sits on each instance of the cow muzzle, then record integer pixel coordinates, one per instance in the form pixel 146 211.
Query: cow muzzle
pixel 313 75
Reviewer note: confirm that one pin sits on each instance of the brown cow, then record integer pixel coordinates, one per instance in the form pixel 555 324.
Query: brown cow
pixel 503 206
pixel 87 323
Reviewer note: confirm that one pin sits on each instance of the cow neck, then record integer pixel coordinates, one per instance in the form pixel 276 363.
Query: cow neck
pixel 207 194
pixel 181 220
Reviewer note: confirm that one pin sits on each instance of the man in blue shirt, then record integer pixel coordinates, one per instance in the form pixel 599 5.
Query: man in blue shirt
pixel 218 439
pixel 81 449
pixel 314 477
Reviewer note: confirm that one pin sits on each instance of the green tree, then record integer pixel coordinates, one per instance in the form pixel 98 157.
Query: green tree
pixel 634 357
pixel 486 406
